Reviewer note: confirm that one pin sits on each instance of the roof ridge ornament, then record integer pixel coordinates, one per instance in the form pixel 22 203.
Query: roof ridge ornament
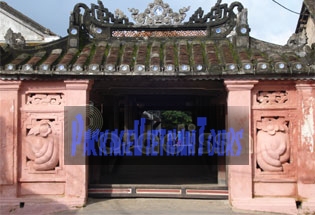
pixel 221 19
pixel 159 13
pixel 219 14
pixel 98 23
pixel 15 40
pixel 98 15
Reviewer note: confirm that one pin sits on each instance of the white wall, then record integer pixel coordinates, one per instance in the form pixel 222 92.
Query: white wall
pixel 30 34
pixel 310 31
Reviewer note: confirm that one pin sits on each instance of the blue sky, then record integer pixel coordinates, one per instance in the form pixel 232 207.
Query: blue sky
pixel 268 21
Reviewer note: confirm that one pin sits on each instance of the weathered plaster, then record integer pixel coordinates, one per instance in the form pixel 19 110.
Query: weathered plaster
pixel 307 127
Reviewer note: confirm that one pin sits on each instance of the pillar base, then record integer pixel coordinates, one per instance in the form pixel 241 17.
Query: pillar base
pixel 45 204
pixel 276 205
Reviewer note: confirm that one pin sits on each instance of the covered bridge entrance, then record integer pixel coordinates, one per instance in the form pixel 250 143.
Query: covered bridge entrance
pixel 159 73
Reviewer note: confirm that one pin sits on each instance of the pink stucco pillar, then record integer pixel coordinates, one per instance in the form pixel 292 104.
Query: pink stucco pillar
pixel 306 144
pixel 9 107
pixel 77 94
pixel 239 117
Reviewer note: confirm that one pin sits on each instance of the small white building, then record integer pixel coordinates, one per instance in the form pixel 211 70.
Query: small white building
pixel 307 21
pixel 32 32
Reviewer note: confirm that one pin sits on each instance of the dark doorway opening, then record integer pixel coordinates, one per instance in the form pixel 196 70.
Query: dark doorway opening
pixel 162 109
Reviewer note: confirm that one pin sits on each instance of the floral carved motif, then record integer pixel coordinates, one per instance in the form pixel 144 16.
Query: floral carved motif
pixel 42 149
pixel 273 147
pixel 158 13
pixel 272 97
pixel 44 99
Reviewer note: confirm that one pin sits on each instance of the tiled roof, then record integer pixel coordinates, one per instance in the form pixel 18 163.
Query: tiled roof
pixel 201 57
pixel 95 49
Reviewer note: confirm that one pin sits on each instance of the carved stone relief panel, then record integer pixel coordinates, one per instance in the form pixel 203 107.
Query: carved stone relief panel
pixel 272 97
pixel 41 134
pixel 275 145
pixel 44 99
pixel 41 145
pixel 275 131
pixel 280 96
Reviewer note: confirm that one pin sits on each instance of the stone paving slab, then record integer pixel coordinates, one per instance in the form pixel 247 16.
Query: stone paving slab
pixel 155 206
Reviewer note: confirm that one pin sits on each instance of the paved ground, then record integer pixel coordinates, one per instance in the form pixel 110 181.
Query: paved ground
pixel 156 207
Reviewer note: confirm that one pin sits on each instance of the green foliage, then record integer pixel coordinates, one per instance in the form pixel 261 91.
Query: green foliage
pixel 171 119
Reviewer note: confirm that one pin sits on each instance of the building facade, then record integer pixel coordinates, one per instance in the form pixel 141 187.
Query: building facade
pixel 12 23
pixel 260 95
pixel 306 21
